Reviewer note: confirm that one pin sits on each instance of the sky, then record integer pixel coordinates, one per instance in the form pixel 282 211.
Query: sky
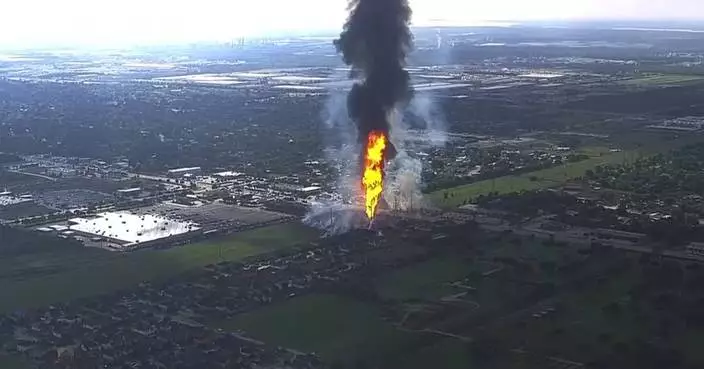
pixel 105 22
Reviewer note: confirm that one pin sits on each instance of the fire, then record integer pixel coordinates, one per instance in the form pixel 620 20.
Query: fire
pixel 373 176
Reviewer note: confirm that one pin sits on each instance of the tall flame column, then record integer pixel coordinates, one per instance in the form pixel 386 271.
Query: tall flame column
pixel 373 175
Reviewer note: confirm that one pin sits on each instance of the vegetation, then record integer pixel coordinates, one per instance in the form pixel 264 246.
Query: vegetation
pixel 12 362
pixel 663 79
pixel 525 182
pixel 20 241
pixel 448 354
pixel 9 158
pixel 679 171
pixel 667 101
pixel 497 162
pixel 63 273
pixel 337 328
pixel 605 321
pixel 424 280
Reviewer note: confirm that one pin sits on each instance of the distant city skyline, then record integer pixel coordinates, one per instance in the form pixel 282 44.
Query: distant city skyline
pixel 108 22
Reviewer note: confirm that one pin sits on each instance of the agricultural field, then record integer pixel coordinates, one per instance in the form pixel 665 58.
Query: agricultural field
pixel 336 328
pixel 38 279
pixel 663 79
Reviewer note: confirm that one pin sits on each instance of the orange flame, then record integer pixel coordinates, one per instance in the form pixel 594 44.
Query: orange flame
pixel 373 176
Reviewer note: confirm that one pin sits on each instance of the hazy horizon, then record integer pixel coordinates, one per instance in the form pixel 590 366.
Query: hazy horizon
pixel 86 22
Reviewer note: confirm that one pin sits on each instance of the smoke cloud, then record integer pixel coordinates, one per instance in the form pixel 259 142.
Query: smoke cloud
pixel 404 176
pixel 375 42
pixel 333 217
pixel 434 126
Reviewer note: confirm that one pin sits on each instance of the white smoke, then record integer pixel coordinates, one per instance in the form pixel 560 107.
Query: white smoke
pixel 333 217
pixel 403 183
pixel 424 107
pixel 336 216
pixel 343 151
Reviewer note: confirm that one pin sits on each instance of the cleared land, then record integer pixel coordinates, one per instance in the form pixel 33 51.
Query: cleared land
pixel 544 178
pixel 39 279
pixel 664 79
pixel 336 328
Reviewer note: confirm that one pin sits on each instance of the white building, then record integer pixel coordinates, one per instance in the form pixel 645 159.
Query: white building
pixel 131 229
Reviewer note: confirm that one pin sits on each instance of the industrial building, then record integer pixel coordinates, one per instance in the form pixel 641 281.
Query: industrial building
pixel 129 230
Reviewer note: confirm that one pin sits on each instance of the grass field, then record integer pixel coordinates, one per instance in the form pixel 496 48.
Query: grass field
pixel 423 281
pixel 636 144
pixel 430 280
pixel 9 362
pixel 577 330
pixel 544 178
pixel 336 328
pixel 663 79
pixel 35 280
pixel 448 354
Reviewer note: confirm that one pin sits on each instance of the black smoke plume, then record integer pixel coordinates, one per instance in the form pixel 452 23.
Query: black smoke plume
pixel 375 42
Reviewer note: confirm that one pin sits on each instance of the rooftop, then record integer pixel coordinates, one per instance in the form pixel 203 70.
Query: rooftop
pixel 182 170
pixel 131 228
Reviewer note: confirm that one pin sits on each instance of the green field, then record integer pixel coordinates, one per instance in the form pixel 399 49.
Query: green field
pixel 336 328
pixel 430 280
pixel 39 279
pixel 9 362
pixel 544 178
pixel 663 79
pixel 448 354
pixel 423 281
pixel 583 328
pixel 576 330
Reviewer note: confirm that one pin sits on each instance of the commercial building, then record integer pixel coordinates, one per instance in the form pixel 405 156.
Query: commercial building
pixel 131 230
